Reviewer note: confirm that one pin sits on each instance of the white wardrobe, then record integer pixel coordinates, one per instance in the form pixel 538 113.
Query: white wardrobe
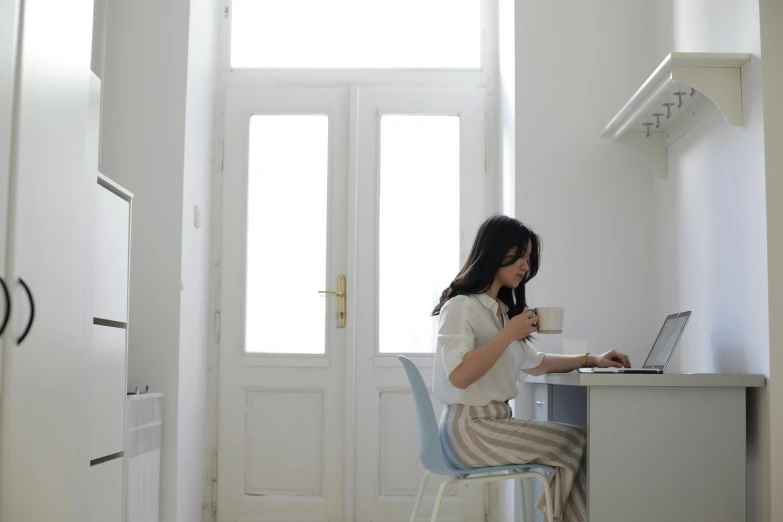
pixel 109 267
pixel 48 239
pixel 108 359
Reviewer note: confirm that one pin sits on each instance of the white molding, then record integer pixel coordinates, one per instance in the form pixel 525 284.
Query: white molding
pixel 282 361
pixel 421 360
pixel 690 83
pixel 715 74
pixel 114 187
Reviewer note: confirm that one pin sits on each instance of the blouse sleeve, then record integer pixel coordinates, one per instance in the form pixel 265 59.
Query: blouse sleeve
pixel 532 358
pixel 455 334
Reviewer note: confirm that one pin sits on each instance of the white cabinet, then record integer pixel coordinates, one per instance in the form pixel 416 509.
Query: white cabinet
pixel 107 391
pixel 105 483
pixel 108 360
pixel 7 39
pixel 7 18
pixel 112 225
pixel 563 404
pixel 541 412
pixel 109 353
pixel 109 232
pixel 43 417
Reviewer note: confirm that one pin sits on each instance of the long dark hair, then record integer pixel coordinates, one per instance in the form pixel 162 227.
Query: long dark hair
pixel 496 236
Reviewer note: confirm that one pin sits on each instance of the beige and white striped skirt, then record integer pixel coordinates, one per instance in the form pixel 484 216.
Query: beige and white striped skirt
pixel 476 436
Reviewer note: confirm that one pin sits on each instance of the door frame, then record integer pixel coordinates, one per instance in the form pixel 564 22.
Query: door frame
pixel 232 360
pixel 228 78
pixel 470 105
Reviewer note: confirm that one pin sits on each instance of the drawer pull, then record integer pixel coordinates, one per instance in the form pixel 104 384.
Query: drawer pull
pixel 540 403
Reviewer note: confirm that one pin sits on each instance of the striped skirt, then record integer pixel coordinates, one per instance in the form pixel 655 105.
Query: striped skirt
pixel 476 436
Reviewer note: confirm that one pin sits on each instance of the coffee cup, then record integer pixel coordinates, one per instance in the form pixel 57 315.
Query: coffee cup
pixel 550 319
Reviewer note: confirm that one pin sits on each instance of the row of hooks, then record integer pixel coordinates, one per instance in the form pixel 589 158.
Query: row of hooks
pixel 668 114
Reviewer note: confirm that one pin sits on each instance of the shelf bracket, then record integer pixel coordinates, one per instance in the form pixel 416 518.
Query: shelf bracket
pixel 723 86
pixel 652 149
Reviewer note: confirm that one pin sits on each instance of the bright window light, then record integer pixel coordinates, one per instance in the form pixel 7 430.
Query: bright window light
pixel 419 227
pixel 286 234
pixel 350 34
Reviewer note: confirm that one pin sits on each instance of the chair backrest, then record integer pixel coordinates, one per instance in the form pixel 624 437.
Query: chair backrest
pixel 430 448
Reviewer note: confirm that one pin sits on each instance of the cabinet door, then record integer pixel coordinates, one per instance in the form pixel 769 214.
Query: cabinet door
pixel 542 394
pixel 107 392
pixel 106 492
pixel 43 418
pixel 541 404
pixel 8 14
pixel 112 228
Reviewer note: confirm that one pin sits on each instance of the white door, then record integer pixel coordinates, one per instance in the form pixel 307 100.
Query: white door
pixel 316 421
pixel 423 191
pixel 8 37
pixel 281 404
pixel 43 418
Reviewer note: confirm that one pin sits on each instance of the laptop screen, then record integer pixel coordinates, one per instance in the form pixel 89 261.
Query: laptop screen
pixel 667 340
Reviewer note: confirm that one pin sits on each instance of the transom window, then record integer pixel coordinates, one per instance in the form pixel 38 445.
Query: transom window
pixel 356 34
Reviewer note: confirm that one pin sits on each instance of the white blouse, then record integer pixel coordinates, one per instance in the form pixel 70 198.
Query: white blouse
pixel 468 322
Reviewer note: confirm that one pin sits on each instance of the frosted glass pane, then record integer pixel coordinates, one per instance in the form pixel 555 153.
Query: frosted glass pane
pixel 356 34
pixel 286 238
pixel 419 227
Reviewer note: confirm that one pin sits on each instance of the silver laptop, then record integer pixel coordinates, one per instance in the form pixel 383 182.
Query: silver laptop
pixel 662 350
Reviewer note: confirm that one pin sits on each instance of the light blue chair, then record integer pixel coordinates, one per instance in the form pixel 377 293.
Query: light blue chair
pixel 434 461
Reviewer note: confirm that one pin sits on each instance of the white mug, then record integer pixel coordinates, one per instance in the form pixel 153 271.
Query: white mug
pixel 550 319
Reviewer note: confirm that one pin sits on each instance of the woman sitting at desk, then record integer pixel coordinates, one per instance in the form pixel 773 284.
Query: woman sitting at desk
pixel 483 344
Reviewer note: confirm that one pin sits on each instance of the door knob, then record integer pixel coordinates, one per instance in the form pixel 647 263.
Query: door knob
pixel 7 297
pixel 340 293
pixel 32 312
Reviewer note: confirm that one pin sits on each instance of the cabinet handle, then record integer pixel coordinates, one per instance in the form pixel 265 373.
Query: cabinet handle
pixel 32 311
pixel 540 403
pixel 7 297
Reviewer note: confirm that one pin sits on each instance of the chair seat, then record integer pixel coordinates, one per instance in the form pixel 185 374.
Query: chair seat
pixel 462 473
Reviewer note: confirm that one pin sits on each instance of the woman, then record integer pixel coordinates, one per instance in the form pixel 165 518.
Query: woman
pixel 483 343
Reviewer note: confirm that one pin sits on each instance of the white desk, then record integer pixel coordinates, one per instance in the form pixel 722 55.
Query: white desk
pixel 660 447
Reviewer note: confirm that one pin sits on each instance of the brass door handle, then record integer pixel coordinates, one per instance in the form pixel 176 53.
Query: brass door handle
pixel 340 293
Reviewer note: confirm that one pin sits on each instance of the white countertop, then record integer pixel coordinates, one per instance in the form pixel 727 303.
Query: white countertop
pixel 660 380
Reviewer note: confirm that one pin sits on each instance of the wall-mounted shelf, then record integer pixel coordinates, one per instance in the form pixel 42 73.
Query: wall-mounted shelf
pixel 682 90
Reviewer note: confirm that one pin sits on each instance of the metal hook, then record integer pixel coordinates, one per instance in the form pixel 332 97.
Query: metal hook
pixel 668 106
pixel 648 125
pixel 658 119
pixel 680 94
pixel 693 91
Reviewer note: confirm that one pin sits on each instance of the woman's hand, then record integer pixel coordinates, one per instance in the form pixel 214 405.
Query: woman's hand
pixel 611 359
pixel 522 325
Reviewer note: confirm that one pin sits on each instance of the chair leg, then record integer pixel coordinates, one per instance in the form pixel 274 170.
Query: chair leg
pixel 439 499
pixel 420 495
pixel 522 500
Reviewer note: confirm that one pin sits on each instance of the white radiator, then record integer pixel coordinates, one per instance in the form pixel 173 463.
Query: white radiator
pixel 142 457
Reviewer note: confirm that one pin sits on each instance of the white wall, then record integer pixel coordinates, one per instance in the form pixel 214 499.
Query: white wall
pixel 142 148
pixel 506 96
pixel 8 37
pixel 771 16
pixel 156 141
pixel 590 200
pixel 711 236
pixel 506 134
pixel 195 328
